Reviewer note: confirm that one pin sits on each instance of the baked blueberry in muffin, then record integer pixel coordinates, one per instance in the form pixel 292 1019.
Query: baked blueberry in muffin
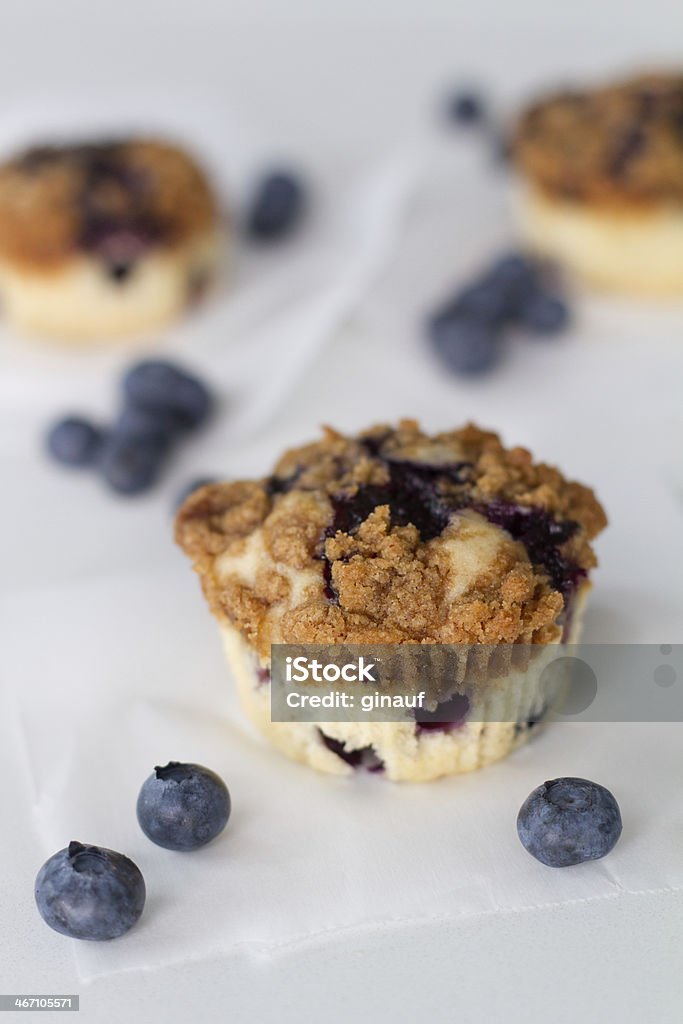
pixel 601 182
pixel 105 238
pixel 396 537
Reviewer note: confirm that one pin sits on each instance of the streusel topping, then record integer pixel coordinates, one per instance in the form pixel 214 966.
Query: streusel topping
pixel 59 200
pixel 394 536
pixel 620 144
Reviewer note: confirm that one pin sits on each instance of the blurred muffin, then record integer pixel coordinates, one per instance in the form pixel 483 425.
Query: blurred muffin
pixel 602 182
pixel 104 239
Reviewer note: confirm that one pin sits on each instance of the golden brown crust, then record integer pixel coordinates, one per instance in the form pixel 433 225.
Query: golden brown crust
pixel 394 536
pixel 56 201
pixel 619 145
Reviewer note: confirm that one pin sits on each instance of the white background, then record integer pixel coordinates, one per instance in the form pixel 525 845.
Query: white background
pixel 340 88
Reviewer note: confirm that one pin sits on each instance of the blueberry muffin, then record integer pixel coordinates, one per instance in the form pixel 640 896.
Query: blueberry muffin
pixel 104 239
pixel 601 182
pixel 396 537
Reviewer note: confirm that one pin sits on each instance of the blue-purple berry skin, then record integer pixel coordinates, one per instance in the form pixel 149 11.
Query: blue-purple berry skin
pixel 512 267
pixel 466 345
pixel 544 314
pixel 161 386
pixel 89 892
pixel 131 465
pixel 516 279
pixel 484 300
pixel 277 206
pixel 183 806
pixel 466 107
pixel 568 821
pixel 74 441
pixel 137 421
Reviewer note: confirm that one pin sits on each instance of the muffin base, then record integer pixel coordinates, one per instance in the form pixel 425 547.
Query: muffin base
pixel 407 755
pixel 635 251
pixel 80 302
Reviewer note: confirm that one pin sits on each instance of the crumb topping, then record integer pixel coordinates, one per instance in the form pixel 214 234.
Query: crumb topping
pixel 393 536
pixel 622 143
pixel 100 198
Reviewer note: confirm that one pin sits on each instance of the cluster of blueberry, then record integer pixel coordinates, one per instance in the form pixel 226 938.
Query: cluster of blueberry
pixel 277 206
pixel 161 403
pixel 468 330
pixel 90 892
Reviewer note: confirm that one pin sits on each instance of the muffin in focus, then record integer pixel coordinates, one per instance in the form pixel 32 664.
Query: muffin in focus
pixel 104 239
pixel 396 537
pixel 601 182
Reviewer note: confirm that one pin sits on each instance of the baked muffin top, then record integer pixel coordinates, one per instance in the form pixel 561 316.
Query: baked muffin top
pixel 394 536
pixel 620 144
pixel 99 198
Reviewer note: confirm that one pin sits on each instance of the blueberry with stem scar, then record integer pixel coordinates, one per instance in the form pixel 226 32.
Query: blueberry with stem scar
pixel 183 806
pixel 89 892
pixel 568 821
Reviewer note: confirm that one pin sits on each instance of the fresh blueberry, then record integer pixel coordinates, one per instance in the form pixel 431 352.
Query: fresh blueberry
pixel 132 464
pixel 74 441
pixel 568 821
pixel 137 421
pixel 164 387
pixel 183 806
pixel 277 205
pixel 544 314
pixel 466 345
pixel 191 487
pixel 466 107
pixel 88 892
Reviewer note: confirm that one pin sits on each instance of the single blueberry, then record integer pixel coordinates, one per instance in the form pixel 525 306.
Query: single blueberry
pixel 132 464
pixel 183 806
pixel 277 205
pixel 466 107
pixel 160 385
pixel 74 441
pixel 568 821
pixel 466 345
pixel 190 488
pixel 544 314
pixel 88 892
